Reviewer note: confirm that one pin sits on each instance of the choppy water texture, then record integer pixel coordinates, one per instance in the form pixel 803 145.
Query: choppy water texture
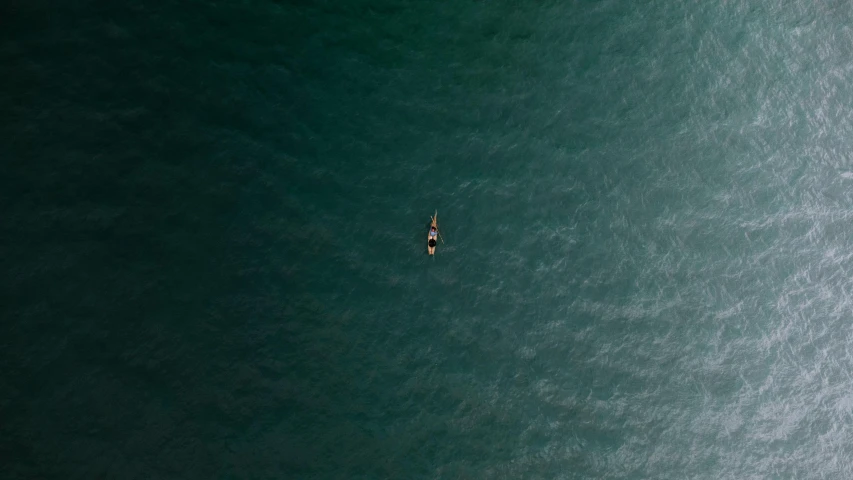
pixel 213 220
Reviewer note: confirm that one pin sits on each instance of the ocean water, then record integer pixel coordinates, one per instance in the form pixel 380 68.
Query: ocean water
pixel 213 220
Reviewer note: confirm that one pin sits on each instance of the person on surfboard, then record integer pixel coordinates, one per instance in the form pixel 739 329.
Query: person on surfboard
pixel 433 234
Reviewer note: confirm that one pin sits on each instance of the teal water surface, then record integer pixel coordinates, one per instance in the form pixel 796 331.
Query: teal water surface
pixel 213 220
